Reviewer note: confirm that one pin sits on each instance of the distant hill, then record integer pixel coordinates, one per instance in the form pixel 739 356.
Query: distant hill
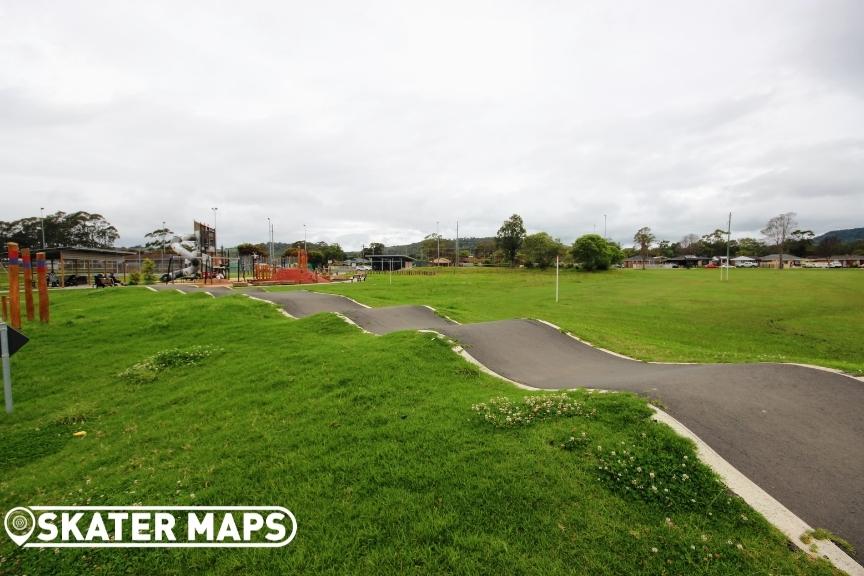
pixel 845 236
pixel 414 249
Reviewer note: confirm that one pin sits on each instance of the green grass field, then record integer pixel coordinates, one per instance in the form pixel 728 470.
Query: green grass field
pixel 806 316
pixel 370 441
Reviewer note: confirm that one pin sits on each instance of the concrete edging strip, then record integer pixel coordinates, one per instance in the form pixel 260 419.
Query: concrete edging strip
pixel 778 515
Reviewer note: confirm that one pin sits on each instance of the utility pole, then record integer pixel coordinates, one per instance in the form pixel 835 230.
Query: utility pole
pixel 438 238
pixel 42 218
pixel 269 240
pixel 728 238
pixel 457 245
pixel 304 237
pixel 163 246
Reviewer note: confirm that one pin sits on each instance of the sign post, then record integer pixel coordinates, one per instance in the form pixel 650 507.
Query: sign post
pixel 10 341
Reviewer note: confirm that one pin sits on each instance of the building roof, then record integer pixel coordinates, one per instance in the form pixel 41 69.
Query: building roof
pixel 53 253
pixel 390 257
pixel 638 258
pixel 687 258
pixel 773 257
pixel 743 259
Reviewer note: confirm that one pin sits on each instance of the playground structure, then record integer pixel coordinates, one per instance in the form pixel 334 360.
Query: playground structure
pixel 10 305
pixel 199 256
pixel 299 273
pixel 201 261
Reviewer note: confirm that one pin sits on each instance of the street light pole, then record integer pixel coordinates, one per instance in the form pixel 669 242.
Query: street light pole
pixel 269 240
pixel 604 227
pixel 42 218
pixel 162 264
pixel 304 238
pixel 438 238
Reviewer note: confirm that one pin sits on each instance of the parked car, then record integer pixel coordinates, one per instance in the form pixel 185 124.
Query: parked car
pixel 747 264
pixel 835 264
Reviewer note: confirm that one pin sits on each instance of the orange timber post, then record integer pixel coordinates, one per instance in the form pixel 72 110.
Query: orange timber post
pixel 28 283
pixel 14 293
pixel 43 287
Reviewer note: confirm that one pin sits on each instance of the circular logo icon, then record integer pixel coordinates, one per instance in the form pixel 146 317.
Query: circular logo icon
pixel 19 523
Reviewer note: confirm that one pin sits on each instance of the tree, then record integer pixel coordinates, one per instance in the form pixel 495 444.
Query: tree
pixel 777 230
pixel 148 267
pixel 594 252
pixel 61 229
pixel 540 250
pixel 714 244
pixel 666 249
pixel 333 252
pixel 247 249
pixel 374 249
pixel 157 238
pixel 510 237
pixel 688 244
pixel 829 246
pixel 751 247
pixel 315 259
pixel 643 238
pixel 801 242
pixel 484 249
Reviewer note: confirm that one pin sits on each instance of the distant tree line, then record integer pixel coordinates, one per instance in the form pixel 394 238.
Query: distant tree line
pixel 781 235
pixel 61 229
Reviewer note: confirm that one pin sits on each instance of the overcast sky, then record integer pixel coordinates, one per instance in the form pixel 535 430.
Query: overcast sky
pixel 370 121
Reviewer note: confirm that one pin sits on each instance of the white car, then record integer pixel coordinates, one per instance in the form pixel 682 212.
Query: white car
pixel 747 264
pixel 835 264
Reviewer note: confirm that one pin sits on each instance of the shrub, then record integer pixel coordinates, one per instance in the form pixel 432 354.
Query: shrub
pixel 148 369
pixel 134 278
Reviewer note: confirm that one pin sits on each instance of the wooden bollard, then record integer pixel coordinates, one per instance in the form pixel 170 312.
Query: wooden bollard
pixel 28 283
pixel 41 277
pixel 14 293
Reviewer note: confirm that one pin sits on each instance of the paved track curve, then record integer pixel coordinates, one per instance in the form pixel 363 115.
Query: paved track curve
pixel 797 432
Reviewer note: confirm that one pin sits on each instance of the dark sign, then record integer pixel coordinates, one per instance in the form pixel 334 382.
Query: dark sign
pixel 16 339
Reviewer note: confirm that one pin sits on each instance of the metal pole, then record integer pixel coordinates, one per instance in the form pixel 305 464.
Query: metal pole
pixel 457 246
pixel 556 277
pixel 42 217
pixel 162 263
pixel 7 372
pixel 438 237
pixel 604 227
pixel 728 238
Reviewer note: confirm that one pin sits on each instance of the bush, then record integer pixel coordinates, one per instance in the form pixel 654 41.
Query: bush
pixel 134 278
pixel 148 267
pixel 595 253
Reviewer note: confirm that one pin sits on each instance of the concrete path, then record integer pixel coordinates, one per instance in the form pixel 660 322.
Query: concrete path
pixel 796 432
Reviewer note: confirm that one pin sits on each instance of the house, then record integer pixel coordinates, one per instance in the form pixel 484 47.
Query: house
pixel 688 261
pixel 390 262
pixel 650 262
pixel 773 261
pixel 844 261
pixel 441 262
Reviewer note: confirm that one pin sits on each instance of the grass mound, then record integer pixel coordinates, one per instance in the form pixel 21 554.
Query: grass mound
pixel 370 441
